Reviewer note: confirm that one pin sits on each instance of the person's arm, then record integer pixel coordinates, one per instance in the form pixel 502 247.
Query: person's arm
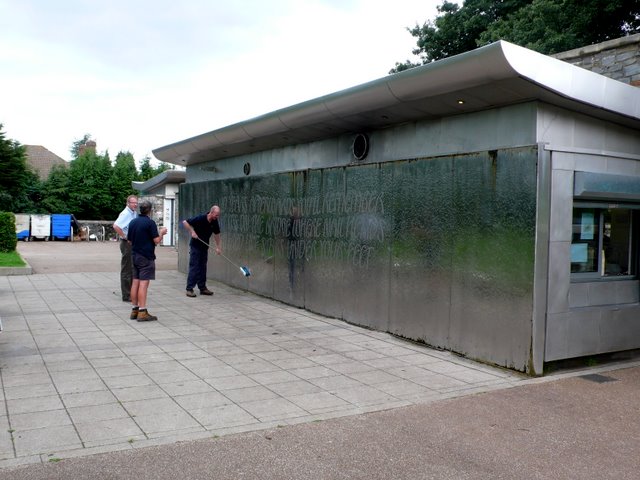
pixel 162 233
pixel 218 241
pixel 190 229
pixel 118 224
pixel 119 231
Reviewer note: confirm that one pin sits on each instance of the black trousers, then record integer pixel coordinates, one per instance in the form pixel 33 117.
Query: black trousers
pixel 197 275
pixel 126 270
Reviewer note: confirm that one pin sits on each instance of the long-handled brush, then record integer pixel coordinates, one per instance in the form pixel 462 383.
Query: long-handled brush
pixel 245 270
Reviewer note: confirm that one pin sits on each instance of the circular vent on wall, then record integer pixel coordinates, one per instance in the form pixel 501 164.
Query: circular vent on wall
pixel 360 147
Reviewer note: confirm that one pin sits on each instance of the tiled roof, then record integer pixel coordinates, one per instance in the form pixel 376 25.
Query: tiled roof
pixel 42 160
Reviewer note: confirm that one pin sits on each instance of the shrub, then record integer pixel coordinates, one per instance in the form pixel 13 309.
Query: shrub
pixel 8 239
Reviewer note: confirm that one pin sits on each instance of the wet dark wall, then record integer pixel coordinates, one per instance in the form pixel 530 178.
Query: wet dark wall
pixel 439 250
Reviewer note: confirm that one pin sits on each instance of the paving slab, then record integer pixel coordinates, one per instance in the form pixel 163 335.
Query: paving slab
pixel 79 378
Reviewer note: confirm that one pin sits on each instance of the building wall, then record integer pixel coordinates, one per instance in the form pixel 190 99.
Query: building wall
pixel 564 130
pixel 618 59
pixel 585 318
pixel 454 232
pixel 490 129
pixel 416 240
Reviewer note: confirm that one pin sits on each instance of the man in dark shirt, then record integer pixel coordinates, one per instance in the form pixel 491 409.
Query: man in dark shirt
pixel 201 227
pixel 144 236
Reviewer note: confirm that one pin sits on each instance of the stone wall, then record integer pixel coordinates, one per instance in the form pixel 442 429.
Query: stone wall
pixel 158 207
pixel 618 59
pixel 102 230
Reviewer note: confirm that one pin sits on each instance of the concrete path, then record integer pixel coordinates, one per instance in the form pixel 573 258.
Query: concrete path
pixel 569 429
pixel 225 375
pixel 65 257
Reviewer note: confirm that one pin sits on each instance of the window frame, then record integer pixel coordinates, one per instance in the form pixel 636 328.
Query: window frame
pixel 633 240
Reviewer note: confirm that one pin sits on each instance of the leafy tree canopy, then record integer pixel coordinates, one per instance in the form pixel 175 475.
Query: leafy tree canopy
pixel 56 190
pixel 90 196
pixel 91 186
pixel 546 26
pixel 124 172
pixel 147 171
pixel 18 182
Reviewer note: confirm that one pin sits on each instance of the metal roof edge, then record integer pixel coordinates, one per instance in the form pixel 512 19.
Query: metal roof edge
pixel 168 176
pixel 574 82
pixel 491 63
pixel 472 68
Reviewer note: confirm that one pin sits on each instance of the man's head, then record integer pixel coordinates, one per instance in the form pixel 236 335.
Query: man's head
pixel 145 208
pixel 213 214
pixel 132 202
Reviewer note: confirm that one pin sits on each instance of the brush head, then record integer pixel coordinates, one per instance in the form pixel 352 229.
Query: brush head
pixel 245 271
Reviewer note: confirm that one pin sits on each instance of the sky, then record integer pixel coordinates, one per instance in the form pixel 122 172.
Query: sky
pixel 137 75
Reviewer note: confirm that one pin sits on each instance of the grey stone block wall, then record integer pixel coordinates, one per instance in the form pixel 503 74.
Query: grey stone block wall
pixel 618 59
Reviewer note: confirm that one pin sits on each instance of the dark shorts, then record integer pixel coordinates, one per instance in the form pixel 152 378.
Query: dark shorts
pixel 143 268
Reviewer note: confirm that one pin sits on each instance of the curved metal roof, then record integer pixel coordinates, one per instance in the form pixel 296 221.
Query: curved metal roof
pixel 495 75
pixel 160 180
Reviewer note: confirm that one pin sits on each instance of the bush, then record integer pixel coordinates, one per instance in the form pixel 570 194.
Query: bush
pixel 8 239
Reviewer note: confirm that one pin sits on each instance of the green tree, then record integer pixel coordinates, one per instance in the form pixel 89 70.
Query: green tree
pixel 124 172
pixel 8 240
pixel 163 167
pixel 147 171
pixel 56 190
pixel 19 184
pixel 91 187
pixel 90 194
pixel 551 26
pixel 547 26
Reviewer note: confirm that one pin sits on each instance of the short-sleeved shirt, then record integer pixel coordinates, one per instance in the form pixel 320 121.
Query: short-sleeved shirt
pixel 203 229
pixel 124 219
pixel 142 231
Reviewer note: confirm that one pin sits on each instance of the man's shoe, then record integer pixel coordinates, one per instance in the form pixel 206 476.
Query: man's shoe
pixel 126 299
pixel 144 316
pixel 134 313
pixel 191 293
pixel 206 291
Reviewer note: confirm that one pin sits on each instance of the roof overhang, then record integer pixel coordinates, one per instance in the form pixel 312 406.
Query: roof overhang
pixel 496 75
pixel 159 181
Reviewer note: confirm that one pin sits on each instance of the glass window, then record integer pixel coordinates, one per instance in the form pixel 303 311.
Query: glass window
pixel 585 240
pixel 602 241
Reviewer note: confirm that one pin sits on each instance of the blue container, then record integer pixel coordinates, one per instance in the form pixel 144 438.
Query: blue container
pixel 61 226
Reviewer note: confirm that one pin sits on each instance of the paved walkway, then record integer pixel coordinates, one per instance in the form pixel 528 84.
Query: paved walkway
pixel 78 377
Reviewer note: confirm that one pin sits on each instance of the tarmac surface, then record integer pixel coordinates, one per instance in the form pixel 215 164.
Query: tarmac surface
pixel 239 386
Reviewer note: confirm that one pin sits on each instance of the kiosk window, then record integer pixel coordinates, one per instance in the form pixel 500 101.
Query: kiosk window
pixel 602 242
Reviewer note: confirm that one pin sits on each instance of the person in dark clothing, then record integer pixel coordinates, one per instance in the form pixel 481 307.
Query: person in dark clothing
pixel 143 236
pixel 200 228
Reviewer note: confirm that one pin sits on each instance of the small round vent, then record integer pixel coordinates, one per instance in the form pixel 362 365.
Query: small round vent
pixel 360 147
pixel 247 168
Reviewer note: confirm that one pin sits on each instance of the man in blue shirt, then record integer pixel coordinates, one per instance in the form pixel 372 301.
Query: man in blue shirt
pixel 121 226
pixel 201 227
pixel 143 236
